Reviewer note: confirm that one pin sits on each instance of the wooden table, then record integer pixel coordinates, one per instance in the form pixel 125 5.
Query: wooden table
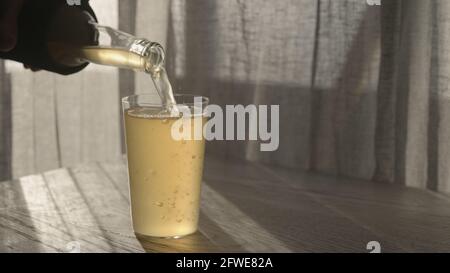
pixel 246 207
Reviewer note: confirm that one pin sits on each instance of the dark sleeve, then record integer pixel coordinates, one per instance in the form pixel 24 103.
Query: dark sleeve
pixel 34 22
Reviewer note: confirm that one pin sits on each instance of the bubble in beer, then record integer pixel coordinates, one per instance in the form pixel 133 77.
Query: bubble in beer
pixel 159 204
pixel 194 157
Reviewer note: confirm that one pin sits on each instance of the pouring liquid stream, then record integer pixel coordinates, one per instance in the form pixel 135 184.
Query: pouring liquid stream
pixel 164 88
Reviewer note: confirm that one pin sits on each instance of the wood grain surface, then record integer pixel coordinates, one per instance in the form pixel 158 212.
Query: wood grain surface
pixel 246 207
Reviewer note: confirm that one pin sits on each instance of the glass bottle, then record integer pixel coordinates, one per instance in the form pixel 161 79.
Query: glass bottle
pixel 106 46
pixel 62 38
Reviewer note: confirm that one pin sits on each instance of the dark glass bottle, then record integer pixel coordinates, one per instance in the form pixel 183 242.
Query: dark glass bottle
pixel 63 38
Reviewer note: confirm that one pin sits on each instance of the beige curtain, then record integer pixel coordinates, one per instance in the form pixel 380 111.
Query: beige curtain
pixel 319 60
pixel 362 89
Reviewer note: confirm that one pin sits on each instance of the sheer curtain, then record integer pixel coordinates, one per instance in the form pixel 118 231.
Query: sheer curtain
pixel 319 60
pixel 362 89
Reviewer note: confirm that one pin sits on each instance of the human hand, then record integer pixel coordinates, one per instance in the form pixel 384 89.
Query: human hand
pixel 9 13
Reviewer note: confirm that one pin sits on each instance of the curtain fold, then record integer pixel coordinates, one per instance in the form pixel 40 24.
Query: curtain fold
pixel 412 135
pixel 5 124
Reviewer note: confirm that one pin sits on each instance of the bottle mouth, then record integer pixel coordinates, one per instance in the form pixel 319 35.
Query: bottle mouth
pixel 154 57
pixel 152 53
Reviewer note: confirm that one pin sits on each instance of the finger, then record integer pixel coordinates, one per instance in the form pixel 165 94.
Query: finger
pixel 32 68
pixel 8 23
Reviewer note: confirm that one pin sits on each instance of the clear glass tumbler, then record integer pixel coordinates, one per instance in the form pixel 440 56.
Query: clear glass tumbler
pixel 165 172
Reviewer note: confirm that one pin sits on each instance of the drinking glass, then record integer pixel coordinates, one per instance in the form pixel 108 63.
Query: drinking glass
pixel 165 171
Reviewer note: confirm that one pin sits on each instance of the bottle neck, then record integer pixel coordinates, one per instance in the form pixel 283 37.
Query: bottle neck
pixel 75 39
pixel 142 55
pixel 134 53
